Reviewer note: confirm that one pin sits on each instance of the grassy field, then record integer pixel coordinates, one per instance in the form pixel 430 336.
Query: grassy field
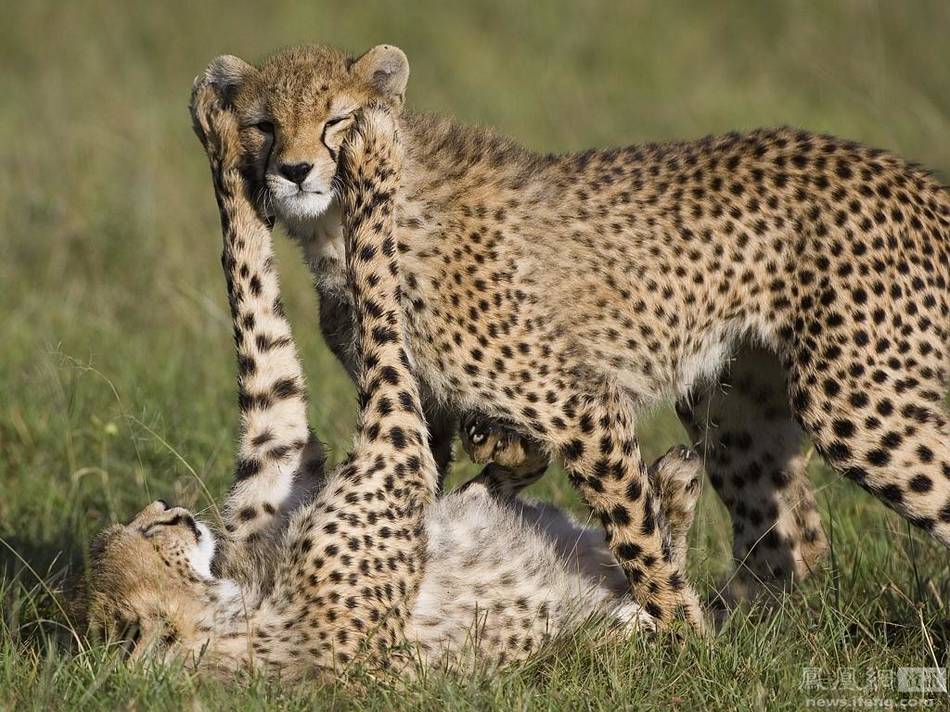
pixel 116 373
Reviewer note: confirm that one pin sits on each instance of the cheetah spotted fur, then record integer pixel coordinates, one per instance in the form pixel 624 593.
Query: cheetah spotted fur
pixel 314 571
pixel 771 284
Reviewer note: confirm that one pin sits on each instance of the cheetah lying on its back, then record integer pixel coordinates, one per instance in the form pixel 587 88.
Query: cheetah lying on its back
pixel 772 284
pixel 316 569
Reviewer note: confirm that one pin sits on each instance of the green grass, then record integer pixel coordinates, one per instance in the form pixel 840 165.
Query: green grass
pixel 116 373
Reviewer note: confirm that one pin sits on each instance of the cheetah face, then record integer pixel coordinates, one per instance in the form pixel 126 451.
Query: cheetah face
pixel 294 112
pixel 176 534
pixel 139 573
pixel 298 155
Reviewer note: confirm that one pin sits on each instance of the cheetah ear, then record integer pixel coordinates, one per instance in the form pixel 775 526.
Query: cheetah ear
pixel 386 69
pixel 227 74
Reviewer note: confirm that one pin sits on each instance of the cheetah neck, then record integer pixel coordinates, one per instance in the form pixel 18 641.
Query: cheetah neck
pixel 323 243
pixel 235 628
pixel 323 236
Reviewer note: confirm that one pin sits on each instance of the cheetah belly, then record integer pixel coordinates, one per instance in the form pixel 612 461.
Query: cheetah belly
pixel 708 357
pixel 502 578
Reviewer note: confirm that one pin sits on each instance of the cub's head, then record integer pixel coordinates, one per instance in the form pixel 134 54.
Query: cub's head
pixel 294 111
pixel 147 580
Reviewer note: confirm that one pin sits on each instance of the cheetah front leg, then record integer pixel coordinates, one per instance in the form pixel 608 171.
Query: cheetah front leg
pixel 602 457
pixel 593 434
pixel 594 437
pixel 279 463
pixel 676 476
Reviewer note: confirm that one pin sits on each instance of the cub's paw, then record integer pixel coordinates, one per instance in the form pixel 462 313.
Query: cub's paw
pixel 478 438
pixel 630 617
pixel 486 440
pixel 377 121
pixel 216 126
pixel 676 478
pixel 372 145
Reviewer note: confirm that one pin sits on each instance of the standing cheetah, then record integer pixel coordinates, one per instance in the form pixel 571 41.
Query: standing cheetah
pixel 770 284
pixel 315 570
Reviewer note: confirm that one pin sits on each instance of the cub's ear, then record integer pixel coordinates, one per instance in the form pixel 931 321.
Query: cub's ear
pixel 386 69
pixel 227 75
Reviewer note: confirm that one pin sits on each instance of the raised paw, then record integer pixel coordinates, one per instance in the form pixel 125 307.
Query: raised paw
pixel 479 438
pixel 677 479
pixel 374 136
pixel 216 126
pixel 486 440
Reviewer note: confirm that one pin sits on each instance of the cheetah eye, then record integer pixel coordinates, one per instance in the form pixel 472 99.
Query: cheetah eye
pixel 266 127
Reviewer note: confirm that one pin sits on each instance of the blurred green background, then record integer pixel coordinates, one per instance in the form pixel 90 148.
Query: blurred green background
pixel 116 373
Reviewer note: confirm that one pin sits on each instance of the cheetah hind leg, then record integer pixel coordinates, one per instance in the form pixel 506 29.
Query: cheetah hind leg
pixel 889 431
pixel 751 446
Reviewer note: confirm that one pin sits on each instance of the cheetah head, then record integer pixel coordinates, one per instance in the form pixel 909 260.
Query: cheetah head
pixel 294 111
pixel 149 579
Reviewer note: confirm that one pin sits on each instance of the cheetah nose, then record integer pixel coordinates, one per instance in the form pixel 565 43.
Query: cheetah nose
pixel 297 172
